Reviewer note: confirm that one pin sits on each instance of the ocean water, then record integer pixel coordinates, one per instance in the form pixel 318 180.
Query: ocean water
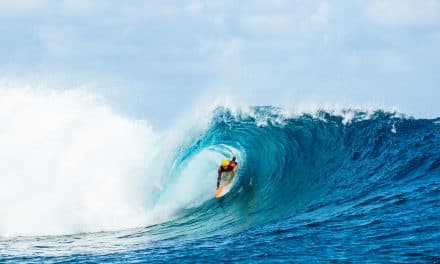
pixel 321 187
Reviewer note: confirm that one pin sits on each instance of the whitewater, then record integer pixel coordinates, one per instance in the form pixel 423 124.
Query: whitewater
pixel 80 182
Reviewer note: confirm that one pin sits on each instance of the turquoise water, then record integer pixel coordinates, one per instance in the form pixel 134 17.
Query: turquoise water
pixel 311 188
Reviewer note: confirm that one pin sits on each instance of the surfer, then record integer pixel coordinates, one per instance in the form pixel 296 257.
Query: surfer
pixel 227 166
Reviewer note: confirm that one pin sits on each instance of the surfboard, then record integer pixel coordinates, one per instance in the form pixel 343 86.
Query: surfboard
pixel 225 185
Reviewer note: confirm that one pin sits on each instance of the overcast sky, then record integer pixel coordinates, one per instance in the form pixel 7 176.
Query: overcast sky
pixel 154 59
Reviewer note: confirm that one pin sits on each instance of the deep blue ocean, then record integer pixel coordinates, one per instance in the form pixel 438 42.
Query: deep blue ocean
pixel 312 188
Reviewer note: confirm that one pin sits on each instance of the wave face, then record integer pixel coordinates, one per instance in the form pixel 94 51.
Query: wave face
pixel 321 187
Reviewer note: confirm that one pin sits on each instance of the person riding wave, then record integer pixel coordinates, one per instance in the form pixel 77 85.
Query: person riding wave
pixel 227 166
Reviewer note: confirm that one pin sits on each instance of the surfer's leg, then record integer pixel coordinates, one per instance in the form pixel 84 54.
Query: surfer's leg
pixel 219 179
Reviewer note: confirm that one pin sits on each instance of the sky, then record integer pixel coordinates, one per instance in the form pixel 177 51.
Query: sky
pixel 156 59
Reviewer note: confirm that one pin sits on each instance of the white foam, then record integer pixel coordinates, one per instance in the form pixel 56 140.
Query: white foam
pixel 70 164
pixel 393 128
pixel 240 108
